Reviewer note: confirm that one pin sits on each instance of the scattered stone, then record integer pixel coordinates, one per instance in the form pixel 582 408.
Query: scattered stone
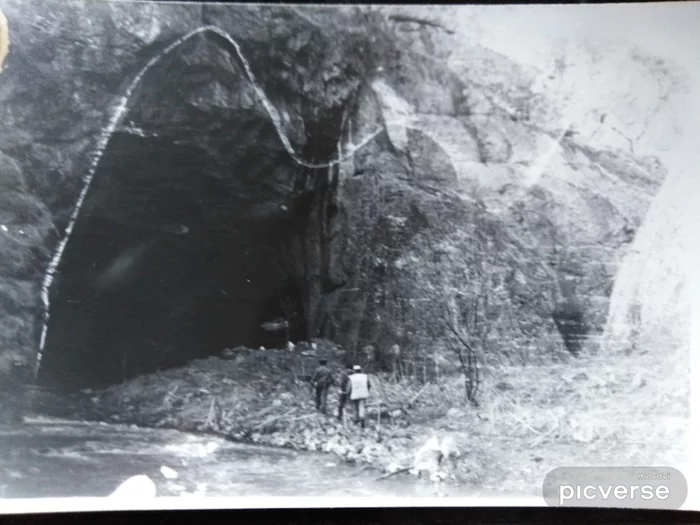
pixel 452 413
pixel 504 387
pixel 448 447
pixel 428 456
pixel 168 472
pixel 435 456
pixel 393 467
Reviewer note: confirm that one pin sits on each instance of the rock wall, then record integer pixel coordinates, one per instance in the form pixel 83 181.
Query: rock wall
pixel 453 187
pixel 454 194
pixel 195 157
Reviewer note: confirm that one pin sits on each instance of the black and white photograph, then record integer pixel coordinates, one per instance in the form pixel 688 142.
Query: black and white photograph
pixel 373 253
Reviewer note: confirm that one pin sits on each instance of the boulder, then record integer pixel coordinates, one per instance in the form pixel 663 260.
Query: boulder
pixel 436 457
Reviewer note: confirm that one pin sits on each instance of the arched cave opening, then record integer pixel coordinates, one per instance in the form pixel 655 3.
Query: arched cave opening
pixel 572 328
pixel 175 254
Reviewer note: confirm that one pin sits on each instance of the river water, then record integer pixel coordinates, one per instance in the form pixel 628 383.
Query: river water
pixel 51 458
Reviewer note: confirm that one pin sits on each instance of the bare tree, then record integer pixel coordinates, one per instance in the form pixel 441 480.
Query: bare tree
pixel 462 330
pixel 463 316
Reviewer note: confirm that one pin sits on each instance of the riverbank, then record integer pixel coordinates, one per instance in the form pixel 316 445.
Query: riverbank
pixel 54 458
pixel 593 410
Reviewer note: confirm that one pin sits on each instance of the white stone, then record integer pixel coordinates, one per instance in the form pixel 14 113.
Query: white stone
pixel 168 472
pixel 426 459
pixel 140 486
pixel 448 447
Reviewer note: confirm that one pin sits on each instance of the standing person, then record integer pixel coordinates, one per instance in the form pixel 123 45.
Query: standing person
pixel 359 392
pixel 344 390
pixel 322 381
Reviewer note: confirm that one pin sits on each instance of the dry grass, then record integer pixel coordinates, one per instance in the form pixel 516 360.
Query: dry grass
pixel 613 410
pixel 602 410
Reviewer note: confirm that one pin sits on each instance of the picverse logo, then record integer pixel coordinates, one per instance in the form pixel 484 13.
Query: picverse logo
pixel 622 487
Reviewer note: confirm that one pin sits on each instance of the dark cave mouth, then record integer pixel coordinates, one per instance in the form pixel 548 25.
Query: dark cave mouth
pixel 176 255
pixel 180 252
pixel 572 329
pixel 179 249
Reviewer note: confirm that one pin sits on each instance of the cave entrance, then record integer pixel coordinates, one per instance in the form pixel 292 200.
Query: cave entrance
pixel 175 254
pixel 572 328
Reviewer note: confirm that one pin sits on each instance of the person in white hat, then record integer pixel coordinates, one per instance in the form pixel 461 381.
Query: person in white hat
pixel 359 392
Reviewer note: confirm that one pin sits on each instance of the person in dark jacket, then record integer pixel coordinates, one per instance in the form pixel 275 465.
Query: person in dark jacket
pixel 322 381
pixel 344 394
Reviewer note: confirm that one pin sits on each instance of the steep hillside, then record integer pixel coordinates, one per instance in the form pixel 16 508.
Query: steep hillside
pixel 210 135
pixel 533 220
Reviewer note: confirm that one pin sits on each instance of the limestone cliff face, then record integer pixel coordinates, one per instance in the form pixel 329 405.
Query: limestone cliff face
pixel 199 224
pixel 550 216
pixel 193 184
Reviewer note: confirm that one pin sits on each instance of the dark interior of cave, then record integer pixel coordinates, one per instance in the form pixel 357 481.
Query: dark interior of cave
pixel 173 258
pixel 572 328
pixel 177 251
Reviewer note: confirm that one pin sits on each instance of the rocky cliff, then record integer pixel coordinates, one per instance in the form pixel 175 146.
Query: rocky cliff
pixel 532 218
pixel 215 203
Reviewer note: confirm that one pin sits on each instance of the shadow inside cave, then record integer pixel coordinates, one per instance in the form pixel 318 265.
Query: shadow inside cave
pixel 175 254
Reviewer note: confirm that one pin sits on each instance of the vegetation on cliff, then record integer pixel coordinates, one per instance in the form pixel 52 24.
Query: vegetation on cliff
pixel 466 256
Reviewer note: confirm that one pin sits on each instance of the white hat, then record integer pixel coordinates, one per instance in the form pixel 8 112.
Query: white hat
pixel 357 368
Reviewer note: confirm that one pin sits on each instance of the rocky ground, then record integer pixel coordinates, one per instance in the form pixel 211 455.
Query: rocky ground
pixel 596 410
